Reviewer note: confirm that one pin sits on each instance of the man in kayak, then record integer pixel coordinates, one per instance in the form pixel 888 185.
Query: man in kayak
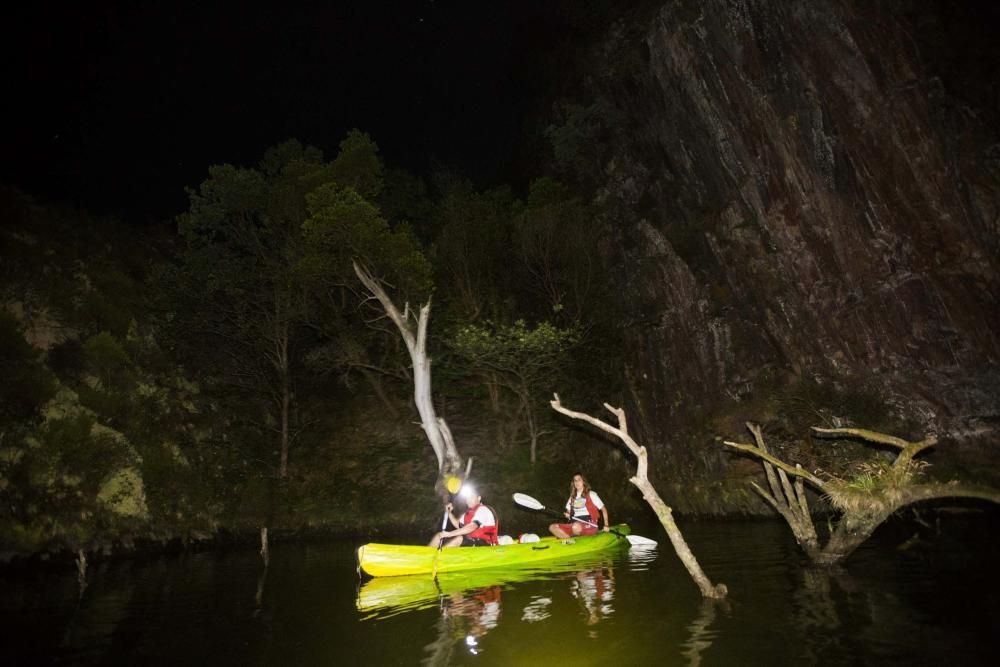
pixel 476 528
pixel 584 505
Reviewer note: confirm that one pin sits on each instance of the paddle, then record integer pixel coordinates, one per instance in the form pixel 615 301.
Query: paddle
pixel 434 565
pixel 527 501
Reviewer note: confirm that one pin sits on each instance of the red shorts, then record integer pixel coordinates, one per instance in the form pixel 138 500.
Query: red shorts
pixel 584 528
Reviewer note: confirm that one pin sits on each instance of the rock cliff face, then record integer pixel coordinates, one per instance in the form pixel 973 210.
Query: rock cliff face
pixel 793 195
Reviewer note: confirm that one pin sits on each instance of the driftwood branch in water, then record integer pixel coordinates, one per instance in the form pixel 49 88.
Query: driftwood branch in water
pixel 641 481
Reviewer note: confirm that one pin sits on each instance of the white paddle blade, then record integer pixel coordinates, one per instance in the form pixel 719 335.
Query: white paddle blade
pixel 640 541
pixel 527 501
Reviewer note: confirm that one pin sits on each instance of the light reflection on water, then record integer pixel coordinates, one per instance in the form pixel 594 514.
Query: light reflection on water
pixel 471 604
pixel 934 603
pixel 468 615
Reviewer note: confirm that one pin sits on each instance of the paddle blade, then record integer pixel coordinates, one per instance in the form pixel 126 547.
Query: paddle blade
pixel 640 541
pixel 527 501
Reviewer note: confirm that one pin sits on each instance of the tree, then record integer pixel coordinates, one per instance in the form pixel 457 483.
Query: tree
pixel 262 278
pixel 473 250
pixel 342 226
pixel 240 302
pixel 413 329
pixel 518 358
pixel 358 166
pixel 864 501
pixel 27 384
pixel 558 248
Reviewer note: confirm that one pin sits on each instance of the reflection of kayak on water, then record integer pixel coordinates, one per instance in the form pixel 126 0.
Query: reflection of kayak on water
pixel 386 596
pixel 388 560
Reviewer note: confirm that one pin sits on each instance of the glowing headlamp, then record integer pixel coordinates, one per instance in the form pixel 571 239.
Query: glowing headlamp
pixel 468 492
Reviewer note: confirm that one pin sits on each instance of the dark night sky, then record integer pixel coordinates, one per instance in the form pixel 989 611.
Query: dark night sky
pixel 117 106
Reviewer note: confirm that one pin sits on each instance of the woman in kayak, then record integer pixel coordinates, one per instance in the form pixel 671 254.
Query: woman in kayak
pixel 583 507
pixel 476 528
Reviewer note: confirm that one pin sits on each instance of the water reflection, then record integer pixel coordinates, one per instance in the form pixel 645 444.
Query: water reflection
pixel 465 619
pixel 259 595
pixel 538 609
pixel 595 591
pixel 641 557
pixel 934 604
pixel 702 636
pixel 384 597
pixel 472 604
pixel 818 606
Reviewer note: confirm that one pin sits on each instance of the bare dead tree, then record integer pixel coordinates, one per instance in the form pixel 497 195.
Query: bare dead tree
pixel 864 502
pixel 413 328
pixel 641 481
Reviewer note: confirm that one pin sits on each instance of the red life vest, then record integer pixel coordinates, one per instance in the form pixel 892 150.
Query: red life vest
pixel 486 533
pixel 591 508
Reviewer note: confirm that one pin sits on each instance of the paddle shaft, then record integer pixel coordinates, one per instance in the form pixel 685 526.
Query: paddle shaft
pixel 444 524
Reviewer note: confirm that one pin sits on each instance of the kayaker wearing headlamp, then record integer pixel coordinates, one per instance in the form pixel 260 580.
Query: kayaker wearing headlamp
pixel 477 527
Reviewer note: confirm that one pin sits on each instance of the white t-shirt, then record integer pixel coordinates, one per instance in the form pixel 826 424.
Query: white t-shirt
pixel 483 515
pixel 579 505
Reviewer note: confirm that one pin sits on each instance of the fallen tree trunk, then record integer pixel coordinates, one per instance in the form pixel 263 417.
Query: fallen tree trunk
pixel 641 481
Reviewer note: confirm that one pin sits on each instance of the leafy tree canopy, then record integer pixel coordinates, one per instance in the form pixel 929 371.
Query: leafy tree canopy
pixel 526 353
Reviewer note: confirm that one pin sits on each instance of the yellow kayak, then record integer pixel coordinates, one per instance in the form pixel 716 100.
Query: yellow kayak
pixel 392 560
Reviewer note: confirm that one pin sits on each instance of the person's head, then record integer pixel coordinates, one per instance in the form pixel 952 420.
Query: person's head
pixel 579 485
pixel 470 494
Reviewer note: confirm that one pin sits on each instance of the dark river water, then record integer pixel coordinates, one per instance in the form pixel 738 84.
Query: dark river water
pixel 929 601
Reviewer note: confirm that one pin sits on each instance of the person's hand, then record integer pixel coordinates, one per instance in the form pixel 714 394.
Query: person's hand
pixel 449 507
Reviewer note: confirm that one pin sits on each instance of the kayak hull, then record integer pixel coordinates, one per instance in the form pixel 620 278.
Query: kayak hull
pixel 392 560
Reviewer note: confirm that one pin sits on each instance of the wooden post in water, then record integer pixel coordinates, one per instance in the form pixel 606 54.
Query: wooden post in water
pixel 81 569
pixel 265 551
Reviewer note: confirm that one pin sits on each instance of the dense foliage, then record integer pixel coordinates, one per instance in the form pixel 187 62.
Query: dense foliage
pixel 223 372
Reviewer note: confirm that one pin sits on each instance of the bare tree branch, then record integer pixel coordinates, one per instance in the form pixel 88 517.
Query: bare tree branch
pixel 641 481
pixel 438 434
pixel 778 463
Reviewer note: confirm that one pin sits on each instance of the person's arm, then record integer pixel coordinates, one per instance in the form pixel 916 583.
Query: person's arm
pixel 596 499
pixel 464 530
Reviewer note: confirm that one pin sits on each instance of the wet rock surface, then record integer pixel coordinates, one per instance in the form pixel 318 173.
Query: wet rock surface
pixel 794 194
